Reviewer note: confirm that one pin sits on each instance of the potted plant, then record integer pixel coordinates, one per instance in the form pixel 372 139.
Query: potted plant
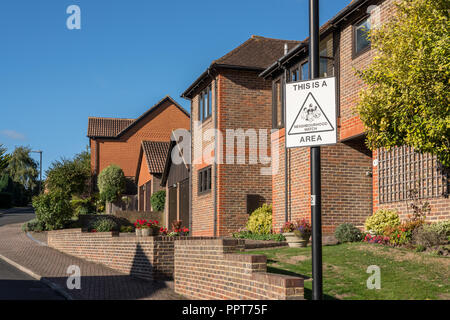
pixel 146 228
pixel 288 232
pixel 303 232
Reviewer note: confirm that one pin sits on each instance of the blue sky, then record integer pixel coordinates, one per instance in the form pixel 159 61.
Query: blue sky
pixel 126 57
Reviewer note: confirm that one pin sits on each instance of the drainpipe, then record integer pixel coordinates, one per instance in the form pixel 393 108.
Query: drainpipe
pixel 215 155
pixel 286 207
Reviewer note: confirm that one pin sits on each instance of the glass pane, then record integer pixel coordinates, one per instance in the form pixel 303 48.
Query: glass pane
pixel 323 69
pixel 200 107
pixel 205 105
pixel 305 71
pixel 361 36
pixel 294 75
pixel 209 101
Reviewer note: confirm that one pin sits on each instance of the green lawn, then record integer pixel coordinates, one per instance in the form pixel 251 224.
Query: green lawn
pixel 404 274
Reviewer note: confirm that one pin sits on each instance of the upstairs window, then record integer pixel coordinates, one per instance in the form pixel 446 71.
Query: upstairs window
pixel 361 41
pixel 205 104
pixel 204 180
pixel 305 71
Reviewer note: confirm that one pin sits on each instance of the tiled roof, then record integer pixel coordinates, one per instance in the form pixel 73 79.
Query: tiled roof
pixel 107 127
pixel 115 127
pixel 256 52
pixel 155 153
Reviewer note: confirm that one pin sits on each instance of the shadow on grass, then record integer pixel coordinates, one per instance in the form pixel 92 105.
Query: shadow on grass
pixel 308 292
pixel 286 272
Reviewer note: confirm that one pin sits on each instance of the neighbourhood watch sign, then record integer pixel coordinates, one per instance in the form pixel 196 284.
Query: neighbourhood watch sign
pixel 311 113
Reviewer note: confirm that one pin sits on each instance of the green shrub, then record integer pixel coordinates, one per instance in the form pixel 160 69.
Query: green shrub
pixel 253 236
pixel 420 248
pixel 126 229
pixel 442 228
pixel 53 209
pixel 426 237
pixel 103 225
pixel 82 206
pixel 347 232
pixel 381 219
pixel 158 199
pixel 111 183
pixel 33 225
pixel 260 221
pixel 5 200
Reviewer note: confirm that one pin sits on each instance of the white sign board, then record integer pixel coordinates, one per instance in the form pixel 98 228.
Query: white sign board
pixel 311 113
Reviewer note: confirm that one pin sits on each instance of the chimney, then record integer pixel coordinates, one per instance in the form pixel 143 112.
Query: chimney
pixel 286 49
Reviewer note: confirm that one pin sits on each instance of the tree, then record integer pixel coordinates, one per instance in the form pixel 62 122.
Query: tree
pixel 70 176
pixel 22 168
pixel 4 158
pixel 406 101
pixel 111 183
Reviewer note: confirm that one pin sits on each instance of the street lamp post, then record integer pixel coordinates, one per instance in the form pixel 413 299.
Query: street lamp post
pixel 40 169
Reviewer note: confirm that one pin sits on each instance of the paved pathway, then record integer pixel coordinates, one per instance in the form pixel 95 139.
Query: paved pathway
pixel 97 281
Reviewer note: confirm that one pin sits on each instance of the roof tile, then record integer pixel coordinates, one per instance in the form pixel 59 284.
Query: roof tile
pixel 155 153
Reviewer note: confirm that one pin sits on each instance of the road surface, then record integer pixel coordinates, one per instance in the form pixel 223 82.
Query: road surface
pixel 15 284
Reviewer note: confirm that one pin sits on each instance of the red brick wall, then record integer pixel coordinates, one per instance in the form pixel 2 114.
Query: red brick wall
pixel 209 270
pixel 157 126
pixel 144 257
pixel 245 102
pixel 346 187
pixel 202 204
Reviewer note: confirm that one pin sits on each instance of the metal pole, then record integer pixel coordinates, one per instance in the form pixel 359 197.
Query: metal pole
pixel 315 160
pixel 40 172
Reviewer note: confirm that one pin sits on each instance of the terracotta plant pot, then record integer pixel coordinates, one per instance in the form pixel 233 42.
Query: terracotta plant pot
pixel 146 232
pixel 138 232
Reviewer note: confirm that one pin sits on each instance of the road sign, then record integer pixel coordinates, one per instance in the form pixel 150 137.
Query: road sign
pixel 311 113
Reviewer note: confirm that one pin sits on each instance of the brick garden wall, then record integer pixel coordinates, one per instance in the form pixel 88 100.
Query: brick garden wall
pixel 143 257
pixel 209 270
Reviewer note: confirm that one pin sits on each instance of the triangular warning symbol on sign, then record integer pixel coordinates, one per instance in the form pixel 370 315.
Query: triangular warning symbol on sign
pixel 310 118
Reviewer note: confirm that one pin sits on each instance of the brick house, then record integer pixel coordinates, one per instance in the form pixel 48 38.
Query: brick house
pixel 230 95
pixel 355 180
pixel 152 159
pixel 118 141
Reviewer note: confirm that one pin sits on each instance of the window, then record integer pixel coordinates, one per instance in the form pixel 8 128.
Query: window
pixel 277 105
pixel 204 180
pixel 205 104
pixel 361 42
pixel 323 68
pixel 295 74
pixel 305 71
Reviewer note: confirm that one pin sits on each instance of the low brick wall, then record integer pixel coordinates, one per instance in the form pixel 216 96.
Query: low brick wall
pixel 209 269
pixel 144 257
